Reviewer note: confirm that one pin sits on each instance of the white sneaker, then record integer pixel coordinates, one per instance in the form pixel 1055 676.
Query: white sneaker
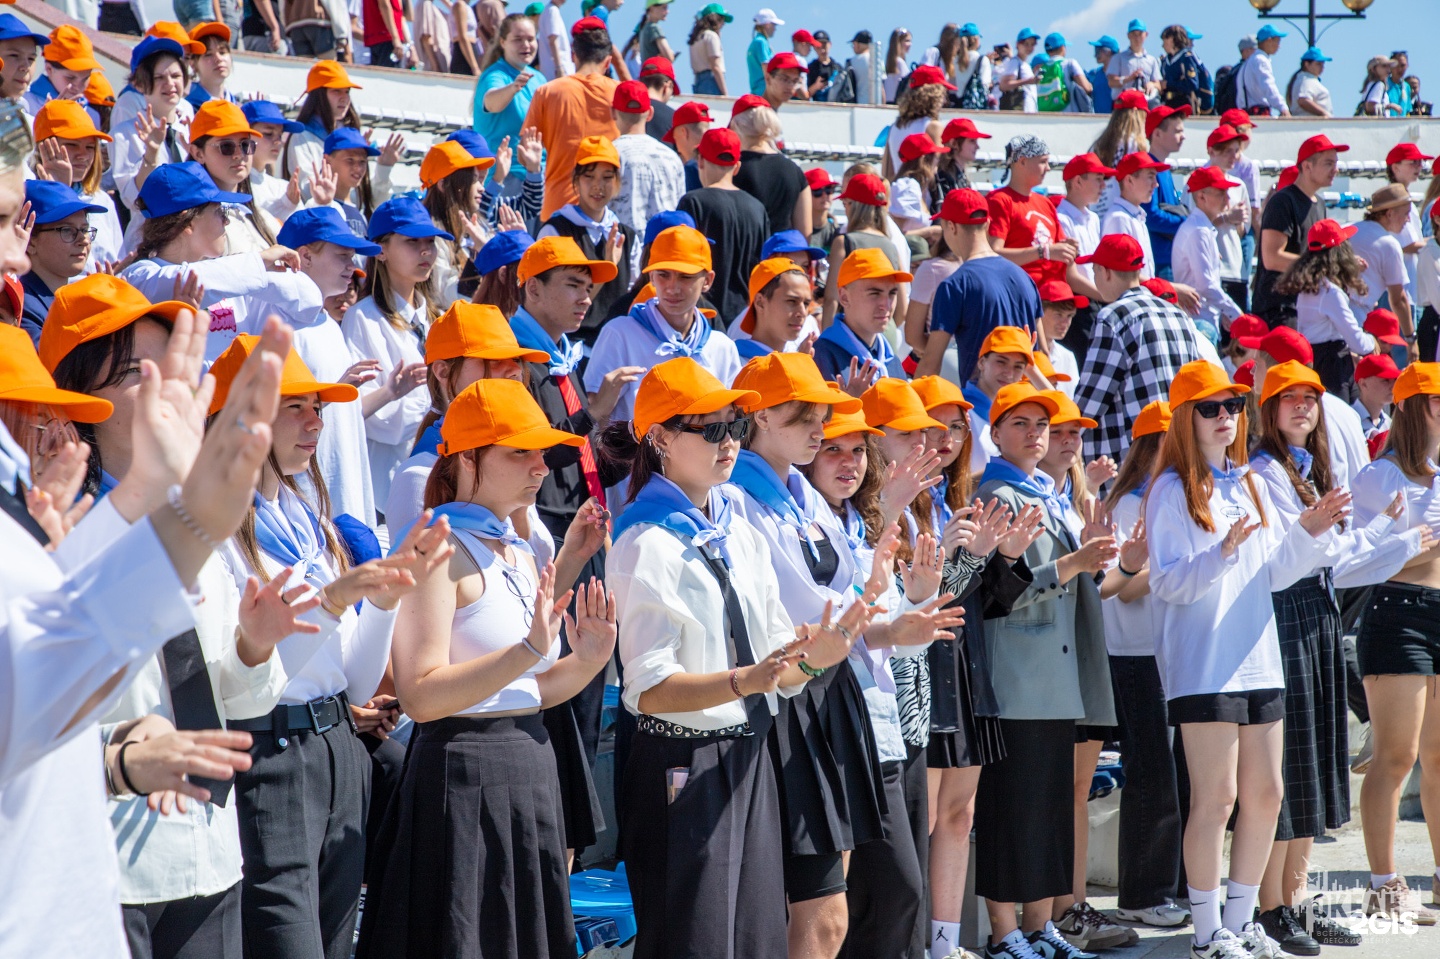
pixel 1366 753
pixel 1258 944
pixel 1225 945
pixel 1165 915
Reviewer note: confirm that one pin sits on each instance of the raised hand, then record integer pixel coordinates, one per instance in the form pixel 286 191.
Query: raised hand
pixel 921 577
pixel 281 259
pixel 992 523
pixel 530 151
pixel 508 219
pixel 187 288
pixel 150 131
pixel 587 531
pixel 1236 535
pixel 361 372
pixel 501 169
pixel 1024 530
pixel 424 550
pixel 592 630
pixel 292 189
pixel 904 481
pixel 807 345
pixel 927 623
pixel 860 377
pixel 324 182
pixel 270 613
pixel 832 640
pixel 1328 511
pixel 1396 509
pixel 1095 554
pixel 1100 471
pixel 1098 521
pixel 475 230
pixel 390 152
pixel 764 676
pixel 405 377
pixel 54 161
pixel 611 387
pixel 614 244
pixel 549 612
pixel 1135 553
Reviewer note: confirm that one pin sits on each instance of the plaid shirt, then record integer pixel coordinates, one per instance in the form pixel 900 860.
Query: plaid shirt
pixel 1139 343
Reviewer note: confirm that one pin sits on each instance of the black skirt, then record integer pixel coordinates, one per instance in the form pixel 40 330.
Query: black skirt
pixel 1317 744
pixel 475 864
pixel 1025 815
pixel 832 791
pixel 969 740
pixel 579 802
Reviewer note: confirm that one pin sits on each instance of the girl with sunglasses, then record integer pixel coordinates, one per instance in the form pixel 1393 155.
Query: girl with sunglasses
pixel 1217 550
pixel 67 148
pixel 224 143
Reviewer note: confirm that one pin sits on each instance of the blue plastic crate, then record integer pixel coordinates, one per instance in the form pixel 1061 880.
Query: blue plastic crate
pixel 602 894
pixel 592 932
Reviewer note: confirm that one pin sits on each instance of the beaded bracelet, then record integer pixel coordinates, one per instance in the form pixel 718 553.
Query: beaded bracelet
pixel 811 671
pixel 178 505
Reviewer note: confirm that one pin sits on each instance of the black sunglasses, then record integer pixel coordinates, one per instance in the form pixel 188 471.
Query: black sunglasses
pixel 736 429
pixel 227 148
pixel 1210 409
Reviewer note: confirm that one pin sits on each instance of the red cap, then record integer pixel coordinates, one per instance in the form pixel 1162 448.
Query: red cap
pixel 720 145
pixel 1327 233
pixel 963 206
pixel 15 293
pixel 867 188
pixel 917 145
pixel 1377 364
pixel 1058 291
pixel 657 67
pixel 1405 151
pixel 1283 344
pixel 1245 374
pixel 631 96
pixel 1248 326
pixel 1164 289
pixel 924 75
pixel 818 179
pixel 1132 100
pixel 1385 327
pixel 1135 162
pixel 1085 163
pixel 1222 135
pixel 784 61
pixel 962 128
pixel 1287 177
pixel 1117 251
pixel 804 36
pixel 587 23
pixel 1237 118
pixel 685 114
pixel 1210 178
pixel 1159 115
pixel 1317 144
pixel 748 101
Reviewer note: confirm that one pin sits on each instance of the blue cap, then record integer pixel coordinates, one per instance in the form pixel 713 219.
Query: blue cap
pixel 1314 54
pixel 502 249
pixel 263 111
pixel 790 241
pixel 349 138
pixel 1268 32
pixel 13 28
pixel 149 47
pixel 969 30
pixel 52 202
pixel 1039 60
pixel 1193 35
pixel 403 215
pixel 175 187
pixel 1054 41
pixel 1027 34
pixel 322 223
pixel 665 220
pixel 474 144
pixel 1137 24
pixel 1108 42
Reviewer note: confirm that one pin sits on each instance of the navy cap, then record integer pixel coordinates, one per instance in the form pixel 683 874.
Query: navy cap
pixel 474 144
pixel 1027 34
pixel 502 249
pixel 348 138
pixel 1268 32
pixel 322 223
pixel 13 28
pixel 52 202
pixel 263 111
pixel 665 220
pixel 174 187
pixel 404 215
pixel 789 241
pixel 1108 42
pixel 148 47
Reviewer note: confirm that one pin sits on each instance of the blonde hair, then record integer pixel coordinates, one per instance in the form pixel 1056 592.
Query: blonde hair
pixel 756 126
pixel 1124 133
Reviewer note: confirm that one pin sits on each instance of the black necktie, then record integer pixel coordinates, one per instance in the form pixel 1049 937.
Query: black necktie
pixel 172 147
pixel 14 507
pixel 192 699
pixel 757 708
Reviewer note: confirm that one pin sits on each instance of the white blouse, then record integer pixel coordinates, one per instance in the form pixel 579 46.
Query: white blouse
pixel 1381 481
pixel 341 452
pixel 1132 628
pixel 1325 316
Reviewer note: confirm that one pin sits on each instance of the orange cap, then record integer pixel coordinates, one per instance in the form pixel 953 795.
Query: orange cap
pixel 67 120
pixel 936 391
pixel 1066 411
pixel 683 249
pixel 760 277
pixel 1043 364
pixel 1417 378
pixel 1009 339
pixel 1009 397
pixel 681 387
pixel 478 330
pixel 1199 379
pixel 449 157
pixel 24 380
pixel 846 424
pixel 553 251
pixel 220 118
pixel 1282 376
pixel 597 149
pixel 894 403
pixel 1154 418
pixel 499 413
pixel 170 30
pixel 778 378
pixel 870 263
pixel 71 49
pixel 295 377
pixel 99 92
pixel 212 29
pixel 329 75
pixel 92 307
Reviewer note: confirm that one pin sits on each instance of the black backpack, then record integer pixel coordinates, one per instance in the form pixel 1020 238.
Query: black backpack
pixel 1227 87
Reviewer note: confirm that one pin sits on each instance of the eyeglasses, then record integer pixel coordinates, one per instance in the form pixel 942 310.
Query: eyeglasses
pixel 55 432
pixel 227 148
pixel 70 234
pixel 715 433
pixel 522 590
pixel 1209 409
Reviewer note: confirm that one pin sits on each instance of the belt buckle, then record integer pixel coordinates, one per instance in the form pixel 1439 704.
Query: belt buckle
pixel 315 718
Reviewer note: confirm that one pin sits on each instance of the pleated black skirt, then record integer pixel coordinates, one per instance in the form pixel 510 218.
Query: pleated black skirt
pixel 832 791
pixel 1317 744
pixel 579 802
pixel 475 865
pixel 958 738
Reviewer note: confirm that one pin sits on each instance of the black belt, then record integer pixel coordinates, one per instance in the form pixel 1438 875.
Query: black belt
pixel 316 716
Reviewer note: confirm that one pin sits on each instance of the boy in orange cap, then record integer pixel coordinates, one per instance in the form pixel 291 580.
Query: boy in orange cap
pixel 69 63
pixel 853 349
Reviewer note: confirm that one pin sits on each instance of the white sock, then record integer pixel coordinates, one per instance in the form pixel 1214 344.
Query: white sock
pixel 1377 880
pixel 944 938
pixel 1205 913
pixel 1240 902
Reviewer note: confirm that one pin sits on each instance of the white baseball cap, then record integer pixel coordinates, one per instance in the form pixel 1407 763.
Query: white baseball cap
pixel 765 16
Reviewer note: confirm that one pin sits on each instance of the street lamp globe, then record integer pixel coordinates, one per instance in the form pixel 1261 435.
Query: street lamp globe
pixel 1265 6
pixel 1355 6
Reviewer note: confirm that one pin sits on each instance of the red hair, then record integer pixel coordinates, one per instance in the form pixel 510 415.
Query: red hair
pixel 1180 451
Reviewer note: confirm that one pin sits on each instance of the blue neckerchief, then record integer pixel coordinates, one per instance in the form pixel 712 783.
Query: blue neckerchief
pixel 472 517
pixel 854 529
pixel 749 349
pixel 197 95
pixel 661 502
pixel 1303 459
pixel 840 334
pixel 943 512
pixel 672 344
pixel 14 464
pixel 1232 474
pixel 596 230
pixel 564 356
pixel 1040 486
pixel 42 89
pixel 429 440
pixel 316 127
pixel 288 531
pixel 107 483
pixel 754 476
pixel 978 399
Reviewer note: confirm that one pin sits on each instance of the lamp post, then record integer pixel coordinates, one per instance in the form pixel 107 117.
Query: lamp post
pixel 1356 10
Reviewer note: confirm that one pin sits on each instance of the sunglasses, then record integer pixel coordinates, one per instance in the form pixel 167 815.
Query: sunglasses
pixel 228 148
pixel 715 433
pixel 1209 409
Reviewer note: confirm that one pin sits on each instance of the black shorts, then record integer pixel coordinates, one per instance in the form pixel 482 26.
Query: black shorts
pixel 1400 632
pixel 1251 707
pixel 814 877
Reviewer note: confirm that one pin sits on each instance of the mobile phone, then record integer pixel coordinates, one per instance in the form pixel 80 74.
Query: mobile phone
pixel 675 780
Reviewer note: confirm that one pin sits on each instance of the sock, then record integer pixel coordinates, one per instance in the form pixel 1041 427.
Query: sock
pixel 1240 902
pixel 1377 880
pixel 944 938
pixel 1205 913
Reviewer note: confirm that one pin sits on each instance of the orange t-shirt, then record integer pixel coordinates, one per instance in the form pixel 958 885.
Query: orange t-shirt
pixel 565 111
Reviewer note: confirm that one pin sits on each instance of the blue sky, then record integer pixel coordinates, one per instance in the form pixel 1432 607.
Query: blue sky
pixel 1389 25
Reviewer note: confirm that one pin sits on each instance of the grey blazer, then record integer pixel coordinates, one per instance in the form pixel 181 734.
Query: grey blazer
pixel 1048 657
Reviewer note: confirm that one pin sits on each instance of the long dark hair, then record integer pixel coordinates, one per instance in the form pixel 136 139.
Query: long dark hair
pixel 1409 438
pixel 158 232
pixel 866 498
pixel 96 365
pixel 317 107
pixel 711 21
pixel 1273 443
pixel 1338 264
pixel 445 202
pixel 378 275
pixel 142 78
pixel 499 289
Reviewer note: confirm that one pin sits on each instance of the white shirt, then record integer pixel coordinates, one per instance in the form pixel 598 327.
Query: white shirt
pixel 625 342
pixel 1379 483
pixel 1257 84
pixel 1082 226
pixel 1348 450
pixel 982 447
pixel 1309 87
pixel 1131 629
pixel 1195 258
pixel 1125 217
pixel 272 195
pixel 1410 234
pixel 1230 236
pixel 1218 632
pixel 1247 173
pixel 652 180
pixel 898 133
pixel 552 24
pixel 907 203
pixel 109 243
pixel 131 102
pixel 1016 67
pixel 1372 425
pixel 1384 261
pixel 127 153
pixel 1064 362
pixel 341 452
pixel 1325 316
pixel 1427 279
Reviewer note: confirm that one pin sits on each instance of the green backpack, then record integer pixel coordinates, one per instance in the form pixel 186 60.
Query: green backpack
pixel 1051 91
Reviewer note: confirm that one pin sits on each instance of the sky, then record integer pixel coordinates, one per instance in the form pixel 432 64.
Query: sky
pixel 1389 25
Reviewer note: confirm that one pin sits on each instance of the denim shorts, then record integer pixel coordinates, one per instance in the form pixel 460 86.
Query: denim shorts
pixel 1400 632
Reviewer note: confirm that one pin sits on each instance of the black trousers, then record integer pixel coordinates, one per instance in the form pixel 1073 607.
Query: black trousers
pixel 1239 291
pixel 1150 802
pixel 383 55
pixel 886 879
pixel 1335 366
pixel 1427 334
pixel 118 18
pixel 302 833
pixel 205 927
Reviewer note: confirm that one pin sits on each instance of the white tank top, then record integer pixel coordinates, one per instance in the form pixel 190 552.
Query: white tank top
pixel 898 133
pixel 498 619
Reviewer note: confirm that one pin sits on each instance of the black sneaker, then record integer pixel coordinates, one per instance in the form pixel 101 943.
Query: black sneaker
pixel 1282 925
pixel 1049 944
pixel 1325 930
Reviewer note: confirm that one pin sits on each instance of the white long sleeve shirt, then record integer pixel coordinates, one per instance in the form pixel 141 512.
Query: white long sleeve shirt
pixel 1427 279
pixel 1082 226
pixel 341 452
pixel 1348 450
pixel 1325 316
pixel 1195 258
pixel 1380 482
pixel 623 341
pixel 1258 86
pixel 1125 217
pixel 1131 629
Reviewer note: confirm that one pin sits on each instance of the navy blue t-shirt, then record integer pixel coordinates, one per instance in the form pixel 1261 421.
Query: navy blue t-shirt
pixel 981 295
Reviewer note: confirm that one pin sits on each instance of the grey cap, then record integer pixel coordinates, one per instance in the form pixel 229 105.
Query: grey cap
pixel 1248 42
pixel 1026 146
